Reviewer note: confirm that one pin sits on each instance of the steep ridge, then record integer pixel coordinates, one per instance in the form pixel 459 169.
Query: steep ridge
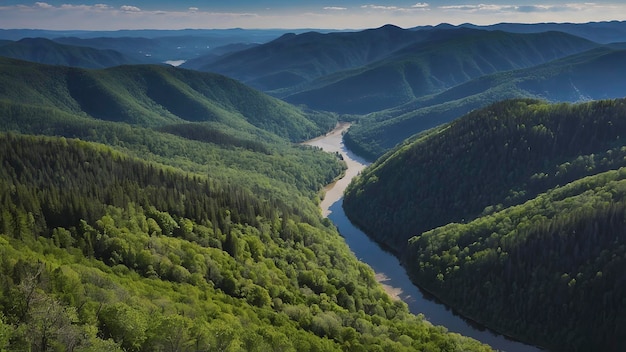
pixel 46 51
pixel 447 58
pixel 292 60
pixel 155 96
pixel 590 75
pixel 495 159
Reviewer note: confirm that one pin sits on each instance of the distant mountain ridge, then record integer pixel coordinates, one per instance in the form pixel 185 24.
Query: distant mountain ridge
pixel 593 74
pixel 153 46
pixel 46 51
pixel 447 58
pixel 293 59
pixel 600 32
pixel 603 32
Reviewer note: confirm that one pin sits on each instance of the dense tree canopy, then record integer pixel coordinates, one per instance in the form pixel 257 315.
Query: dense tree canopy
pixel 469 199
pixel 491 158
pixel 175 214
pixel 101 250
pixel 548 271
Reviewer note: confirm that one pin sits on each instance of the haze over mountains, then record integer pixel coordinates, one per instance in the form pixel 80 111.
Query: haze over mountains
pixel 46 51
pixel 600 32
pixel 589 75
pixel 403 80
pixel 400 77
pixel 151 46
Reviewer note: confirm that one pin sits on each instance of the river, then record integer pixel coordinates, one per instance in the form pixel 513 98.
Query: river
pixel 388 270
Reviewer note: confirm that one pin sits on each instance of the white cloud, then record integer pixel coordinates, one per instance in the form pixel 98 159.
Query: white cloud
pixel 380 7
pixel 76 7
pixel 128 8
pixel 335 8
pixel 420 6
pixel 496 8
pixel 43 5
pixel 193 9
pixel 479 7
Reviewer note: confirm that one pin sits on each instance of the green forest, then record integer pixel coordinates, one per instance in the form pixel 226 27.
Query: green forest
pixel 129 224
pixel 548 271
pixel 514 216
pixel 159 208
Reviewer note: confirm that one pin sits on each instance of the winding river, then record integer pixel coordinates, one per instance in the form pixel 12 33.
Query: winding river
pixel 388 270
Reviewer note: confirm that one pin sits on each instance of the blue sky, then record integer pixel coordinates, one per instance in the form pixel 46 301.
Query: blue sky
pixel 339 14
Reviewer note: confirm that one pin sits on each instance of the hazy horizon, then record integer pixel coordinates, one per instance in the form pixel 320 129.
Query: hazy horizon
pixel 280 14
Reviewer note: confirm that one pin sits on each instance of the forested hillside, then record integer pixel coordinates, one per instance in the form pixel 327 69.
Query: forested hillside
pixel 549 271
pixel 375 69
pixel 590 75
pixel 167 210
pixel 443 60
pixel 530 270
pixel 399 82
pixel 156 96
pixel 103 251
pixel 294 59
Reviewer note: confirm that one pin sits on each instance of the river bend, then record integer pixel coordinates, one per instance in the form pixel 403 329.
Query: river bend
pixel 388 270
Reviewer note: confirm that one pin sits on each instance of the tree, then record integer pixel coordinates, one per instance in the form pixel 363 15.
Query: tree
pixel 258 296
pixel 50 324
pixel 172 333
pixel 6 331
pixel 125 325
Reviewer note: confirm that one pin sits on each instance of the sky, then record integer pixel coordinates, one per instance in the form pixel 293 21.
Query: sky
pixel 290 14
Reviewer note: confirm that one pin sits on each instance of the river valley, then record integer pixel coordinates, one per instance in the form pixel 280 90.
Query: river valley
pixel 388 270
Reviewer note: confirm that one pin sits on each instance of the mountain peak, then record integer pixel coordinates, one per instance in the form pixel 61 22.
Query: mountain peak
pixel 445 26
pixel 390 27
pixel 286 36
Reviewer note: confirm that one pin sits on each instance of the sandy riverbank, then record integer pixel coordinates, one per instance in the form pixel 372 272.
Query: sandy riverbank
pixel 332 142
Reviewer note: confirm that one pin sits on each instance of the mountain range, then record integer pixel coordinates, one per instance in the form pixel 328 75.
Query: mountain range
pixel 401 82
pixel 444 60
pixel 148 207
pixel 600 32
pixel 589 75
pixel 151 46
